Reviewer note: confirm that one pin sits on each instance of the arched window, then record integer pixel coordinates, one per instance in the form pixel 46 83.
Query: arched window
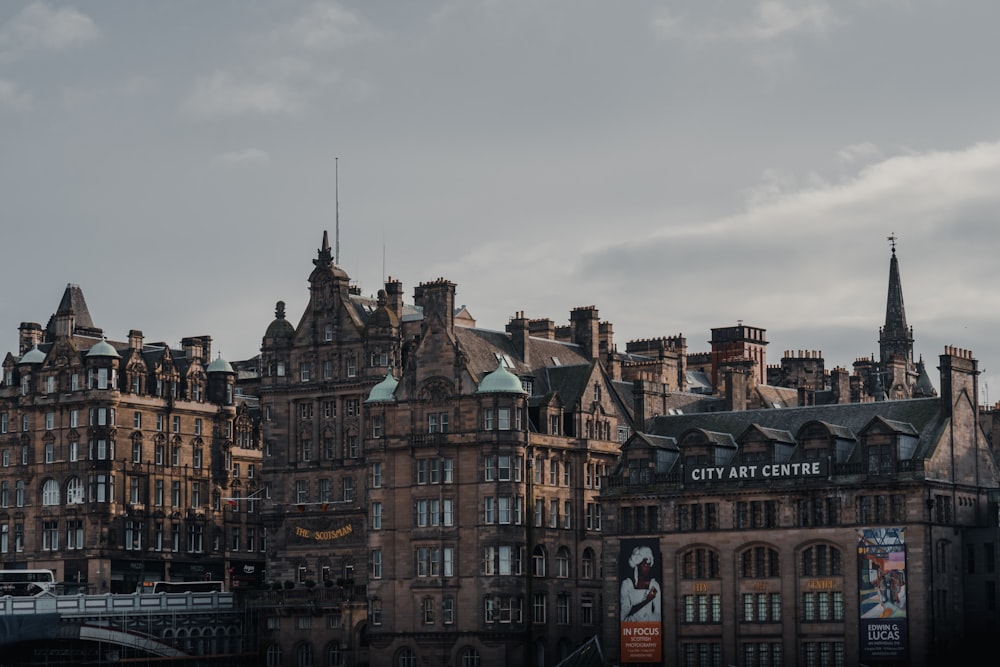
pixel 74 491
pixel 50 492
pixel 587 564
pixel 562 562
pixel 700 563
pixel 334 656
pixel 470 657
pixel 821 560
pixel 759 562
pixel 406 658
pixel 274 655
pixel 304 655
pixel 538 561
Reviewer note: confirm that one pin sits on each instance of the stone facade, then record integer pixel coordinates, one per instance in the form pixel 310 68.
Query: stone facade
pixel 472 534
pixel 119 459
pixel 759 517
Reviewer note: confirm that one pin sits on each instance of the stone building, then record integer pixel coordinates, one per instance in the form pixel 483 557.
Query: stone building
pixel 120 459
pixel 433 485
pixel 854 525
pixel 819 535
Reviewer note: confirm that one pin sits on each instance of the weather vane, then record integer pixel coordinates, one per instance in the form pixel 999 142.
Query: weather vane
pixel 892 240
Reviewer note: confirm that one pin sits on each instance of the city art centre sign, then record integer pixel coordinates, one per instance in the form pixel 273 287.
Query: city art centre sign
pixel 758 472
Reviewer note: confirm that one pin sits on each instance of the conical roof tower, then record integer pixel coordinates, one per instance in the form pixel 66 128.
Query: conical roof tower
pixel 898 371
pixel 895 337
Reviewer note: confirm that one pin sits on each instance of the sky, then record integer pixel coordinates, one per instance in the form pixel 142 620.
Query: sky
pixel 678 165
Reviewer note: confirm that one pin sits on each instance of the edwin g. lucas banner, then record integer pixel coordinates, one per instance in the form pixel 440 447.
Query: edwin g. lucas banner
pixel 882 582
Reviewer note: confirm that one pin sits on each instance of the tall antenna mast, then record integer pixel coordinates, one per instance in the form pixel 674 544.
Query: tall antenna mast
pixel 336 191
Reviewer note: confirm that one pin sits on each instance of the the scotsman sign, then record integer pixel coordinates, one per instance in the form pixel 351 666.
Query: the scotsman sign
pixel 765 471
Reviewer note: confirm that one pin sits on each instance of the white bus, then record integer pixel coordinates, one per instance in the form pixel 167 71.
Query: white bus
pixel 148 587
pixel 27 582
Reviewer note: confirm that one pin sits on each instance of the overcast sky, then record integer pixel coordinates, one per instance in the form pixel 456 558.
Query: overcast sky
pixel 679 165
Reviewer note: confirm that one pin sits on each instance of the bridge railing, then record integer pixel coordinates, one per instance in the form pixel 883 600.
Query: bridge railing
pixel 116 603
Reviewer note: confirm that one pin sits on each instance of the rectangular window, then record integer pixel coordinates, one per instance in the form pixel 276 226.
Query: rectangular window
pixel 177 424
pixel 133 535
pixel 348 490
pixel 538 608
pixel 50 535
pixel 562 609
pixel 376 516
pixel 74 534
pixel 376 475
pixel 377 564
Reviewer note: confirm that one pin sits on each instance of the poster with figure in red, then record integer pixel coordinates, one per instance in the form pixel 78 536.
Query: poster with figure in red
pixel 641 601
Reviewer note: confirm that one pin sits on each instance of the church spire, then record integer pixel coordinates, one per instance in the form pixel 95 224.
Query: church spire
pixel 895 313
pixel 896 338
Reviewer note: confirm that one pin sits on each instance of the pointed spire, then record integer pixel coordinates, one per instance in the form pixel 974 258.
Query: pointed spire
pixel 324 259
pixel 895 313
pixel 895 337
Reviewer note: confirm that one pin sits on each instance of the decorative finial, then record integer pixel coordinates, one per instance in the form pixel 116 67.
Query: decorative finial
pixel 892 240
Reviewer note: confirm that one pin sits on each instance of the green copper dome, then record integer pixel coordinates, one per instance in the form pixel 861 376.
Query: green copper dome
pixel 220 365
pixel 500 381
pixel 103 349
pixel 384 391
pixel 33 356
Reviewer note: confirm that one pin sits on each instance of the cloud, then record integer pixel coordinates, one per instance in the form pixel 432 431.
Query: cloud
pixel 768 20
pixel 326 25
pixel 12 98
pixel 135 86
pixel 246 157
pixel 860 152
pixel 821 239
pixel 38 26
pixel 224 94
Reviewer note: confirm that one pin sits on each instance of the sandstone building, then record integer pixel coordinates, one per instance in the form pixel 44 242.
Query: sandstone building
pixel 434 485
pixel 814 532
pixel 120 460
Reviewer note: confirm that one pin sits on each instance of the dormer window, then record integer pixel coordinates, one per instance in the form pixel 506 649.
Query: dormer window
pixel 880 459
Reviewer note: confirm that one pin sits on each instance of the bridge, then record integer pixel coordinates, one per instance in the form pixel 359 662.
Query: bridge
pixel 204 628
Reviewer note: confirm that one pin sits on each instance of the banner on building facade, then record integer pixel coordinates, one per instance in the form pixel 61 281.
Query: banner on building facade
pixel 324 535
pixel 641 600
pixel 882 581
pixel 756 472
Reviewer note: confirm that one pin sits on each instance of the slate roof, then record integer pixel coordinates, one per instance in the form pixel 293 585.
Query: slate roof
pixel 923 415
